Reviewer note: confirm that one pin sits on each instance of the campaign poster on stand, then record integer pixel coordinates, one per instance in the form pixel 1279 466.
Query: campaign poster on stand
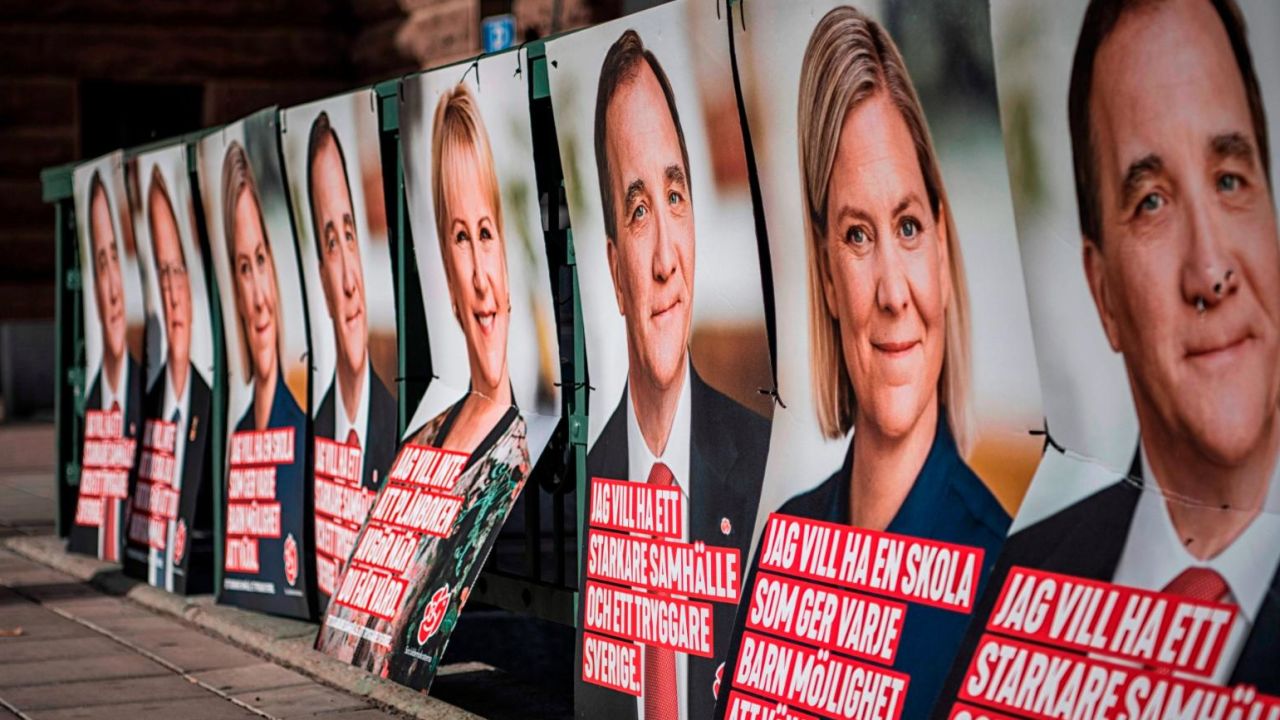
pixel 907 381
pixel 493 401
pixel 333 162
pixel 1140 579
pixel 677 350
pixel 170 532
pixel 268 563
pixel 113 335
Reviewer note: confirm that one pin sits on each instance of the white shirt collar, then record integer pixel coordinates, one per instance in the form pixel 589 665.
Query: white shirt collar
pixel 122 383
pixel 675 456
pixel 173 402
pixel 342 425
pixel 1154 554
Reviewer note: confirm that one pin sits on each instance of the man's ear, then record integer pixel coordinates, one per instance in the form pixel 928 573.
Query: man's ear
pixel 1095 271
pixel 611 250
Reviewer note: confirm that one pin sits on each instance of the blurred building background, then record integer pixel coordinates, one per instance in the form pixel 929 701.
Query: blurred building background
pixel 84 77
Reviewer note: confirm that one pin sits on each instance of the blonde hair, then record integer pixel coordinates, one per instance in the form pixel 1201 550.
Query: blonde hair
pixel 237 178
pixel 850 59
pixel 458 128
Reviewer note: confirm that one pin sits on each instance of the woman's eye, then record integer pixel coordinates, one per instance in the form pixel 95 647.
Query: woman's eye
pixel 461 236
pixel 910 228
pixel 856 236
pixel 485 234
pixel 1150 203
pixel 1230 182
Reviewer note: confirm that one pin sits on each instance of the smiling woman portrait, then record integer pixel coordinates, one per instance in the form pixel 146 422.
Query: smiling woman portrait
pixel 253 273
pixel 889 330
pixel 485 424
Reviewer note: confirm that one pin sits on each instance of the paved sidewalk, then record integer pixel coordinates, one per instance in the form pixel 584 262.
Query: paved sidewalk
pixel 79 639
pixel 69 651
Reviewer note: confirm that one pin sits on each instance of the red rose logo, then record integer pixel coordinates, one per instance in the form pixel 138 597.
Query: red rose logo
pixel 433 614
pixel 291 559
pixel 179 540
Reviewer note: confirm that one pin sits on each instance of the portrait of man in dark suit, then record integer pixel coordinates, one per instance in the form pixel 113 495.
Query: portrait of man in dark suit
pixel 1182 258
pixel 118 383
pixel 669 427
pixel 181 396
pixel 357 409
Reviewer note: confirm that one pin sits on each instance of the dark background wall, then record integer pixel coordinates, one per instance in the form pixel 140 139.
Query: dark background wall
pixel 79 78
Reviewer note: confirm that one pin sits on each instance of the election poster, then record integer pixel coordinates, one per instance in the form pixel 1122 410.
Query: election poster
pixel 902 444
pixel 333 163
pixel 113 334
pixel 169 539
pixel 493 400
pixel 1140 577
pixel 268 564
pixel 678 356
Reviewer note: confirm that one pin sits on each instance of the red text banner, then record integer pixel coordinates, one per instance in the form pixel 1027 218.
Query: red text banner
pixel 426 466
pixel 253 510
pixel 699 571
pixel 1149 628
pixel 907 568
pixel 103 424
pixel 262 447
pixel 636 507
pixel 414 505
pixel 964 711
pixel 1036 681
pixel 160 436
pixel 681 625
pixel 862 626
pixel 612 664
pixel 742 706
pixel 818 681
pixel 370 590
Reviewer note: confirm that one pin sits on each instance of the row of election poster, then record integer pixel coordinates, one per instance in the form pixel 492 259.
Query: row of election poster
pixel 169 537
pixel 933 358
pixel 493 402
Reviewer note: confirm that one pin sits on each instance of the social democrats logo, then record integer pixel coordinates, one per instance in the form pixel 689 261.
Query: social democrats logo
pixel 291 559
pixel 433 614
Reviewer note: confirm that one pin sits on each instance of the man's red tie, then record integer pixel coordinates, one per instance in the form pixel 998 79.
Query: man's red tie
pixel 1199 583
pixel 352 439
pixel 111 519
pixel 661 701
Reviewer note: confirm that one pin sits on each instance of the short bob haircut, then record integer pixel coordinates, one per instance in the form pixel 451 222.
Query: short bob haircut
pixel 237 178
pixel 1100 19
pixel 849 60
pixel 458 130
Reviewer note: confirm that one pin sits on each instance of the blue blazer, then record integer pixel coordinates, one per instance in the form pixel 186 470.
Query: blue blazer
pixel 947 503
pixel 292 490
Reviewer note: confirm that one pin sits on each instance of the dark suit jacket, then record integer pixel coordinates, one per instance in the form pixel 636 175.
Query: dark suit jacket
pixel 380 436
pixel 292 492
pixel 1087 540
pixel 81 539
pixel 727 454
pixel 949 503
pixel 194 573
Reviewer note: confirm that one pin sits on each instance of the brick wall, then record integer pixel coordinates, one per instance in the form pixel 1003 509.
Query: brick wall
pixel 232 56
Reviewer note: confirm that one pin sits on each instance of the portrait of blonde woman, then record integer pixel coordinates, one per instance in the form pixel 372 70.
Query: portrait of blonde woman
pixel 485 423
pixel 889 324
